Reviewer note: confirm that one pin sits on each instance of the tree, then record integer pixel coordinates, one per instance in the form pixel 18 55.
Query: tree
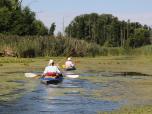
pixel 22 22
pixel 105 29
pixel 140 38
pixel 5 17
pixel 39 28
pixel 19 21
pixel 52 29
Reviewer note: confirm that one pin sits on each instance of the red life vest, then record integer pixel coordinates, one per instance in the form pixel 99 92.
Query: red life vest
pixel 53 74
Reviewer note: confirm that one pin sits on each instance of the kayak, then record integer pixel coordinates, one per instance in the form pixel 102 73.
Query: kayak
pixel 69 69
pixel 51 80
pixel 70 74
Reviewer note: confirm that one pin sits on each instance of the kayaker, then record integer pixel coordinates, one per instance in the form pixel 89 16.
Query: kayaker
pixel 69 65
pixel 51 70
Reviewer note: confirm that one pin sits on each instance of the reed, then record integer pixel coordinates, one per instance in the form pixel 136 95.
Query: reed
pixel 34 46
pixel 43 46
pixel 145 50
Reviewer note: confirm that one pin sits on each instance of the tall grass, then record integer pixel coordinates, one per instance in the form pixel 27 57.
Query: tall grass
pixel 33 46
pixel 145 50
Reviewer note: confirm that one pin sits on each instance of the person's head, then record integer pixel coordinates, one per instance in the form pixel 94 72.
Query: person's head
pixel 51 62
pixel 69 58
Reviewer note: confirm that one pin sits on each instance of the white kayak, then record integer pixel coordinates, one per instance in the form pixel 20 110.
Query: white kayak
pixel 72 75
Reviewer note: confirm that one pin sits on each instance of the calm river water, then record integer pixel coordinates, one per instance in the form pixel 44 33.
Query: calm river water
pixel 72 96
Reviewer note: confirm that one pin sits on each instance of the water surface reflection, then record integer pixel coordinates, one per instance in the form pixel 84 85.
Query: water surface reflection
pixel 72 96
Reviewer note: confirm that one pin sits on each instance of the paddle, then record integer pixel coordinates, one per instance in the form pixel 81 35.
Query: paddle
pixel 34 75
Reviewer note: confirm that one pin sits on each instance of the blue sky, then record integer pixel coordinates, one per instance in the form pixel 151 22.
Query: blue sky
pixel 50 11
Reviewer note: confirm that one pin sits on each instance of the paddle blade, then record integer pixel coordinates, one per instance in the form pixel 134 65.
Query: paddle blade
pixel 31 75
pixel 63 66
pixel 72 76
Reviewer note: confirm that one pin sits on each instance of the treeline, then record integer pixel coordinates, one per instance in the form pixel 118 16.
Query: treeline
pixel 18 20
pixel 107 30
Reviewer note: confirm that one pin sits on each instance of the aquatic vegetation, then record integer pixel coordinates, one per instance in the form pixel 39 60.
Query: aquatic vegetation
pixel 104 75
pixel 131 110
pixel 13 84
pixel 14 60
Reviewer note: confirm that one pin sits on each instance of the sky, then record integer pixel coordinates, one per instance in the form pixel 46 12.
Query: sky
pixel 62 12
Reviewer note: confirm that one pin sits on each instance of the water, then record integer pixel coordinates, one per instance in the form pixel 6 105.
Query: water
pixel 69 97
pixel 81 96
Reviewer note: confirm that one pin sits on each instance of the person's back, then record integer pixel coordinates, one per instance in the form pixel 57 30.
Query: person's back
pixel 69 64
pixel 51 70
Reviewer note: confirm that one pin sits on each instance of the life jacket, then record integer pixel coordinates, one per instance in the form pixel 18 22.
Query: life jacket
pixel 51 74
pixel 70 68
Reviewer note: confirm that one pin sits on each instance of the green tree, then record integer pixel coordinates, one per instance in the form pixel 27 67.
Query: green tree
pixel 106 30
pixel 139 38
pixel 52 29
pixel 5 17
pixel 19 21
pixel 39 28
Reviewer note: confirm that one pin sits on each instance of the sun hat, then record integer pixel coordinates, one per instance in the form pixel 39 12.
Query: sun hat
pixel 51 61
pixel 69 58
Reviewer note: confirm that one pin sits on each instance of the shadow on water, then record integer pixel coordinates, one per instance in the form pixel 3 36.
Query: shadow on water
pixel 112 74
pixel 72 96
pixel 18 81
pixel 18 72
pixel 130 74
